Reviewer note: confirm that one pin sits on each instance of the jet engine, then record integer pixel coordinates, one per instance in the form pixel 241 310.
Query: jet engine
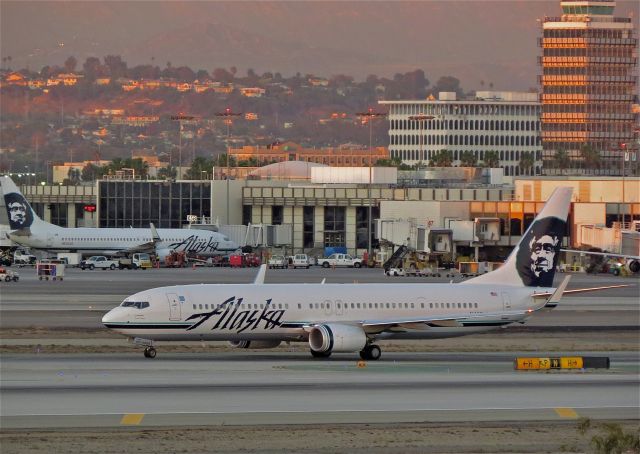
pixel 337 338
pixel 162 254
pixel 254 344
pixel 633 266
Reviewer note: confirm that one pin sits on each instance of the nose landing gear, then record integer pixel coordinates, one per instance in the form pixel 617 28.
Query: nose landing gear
pixel 150 352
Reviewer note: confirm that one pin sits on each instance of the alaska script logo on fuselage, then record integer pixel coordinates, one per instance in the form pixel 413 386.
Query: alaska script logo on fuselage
pixel 227 316
pixel 195 244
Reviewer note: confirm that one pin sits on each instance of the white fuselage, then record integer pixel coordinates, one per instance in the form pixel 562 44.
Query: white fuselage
pixel 112 240
pixel 282 311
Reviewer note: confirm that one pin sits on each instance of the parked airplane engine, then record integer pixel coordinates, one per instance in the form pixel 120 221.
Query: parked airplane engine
pixel 337 338
pixel 254 344
pixel 162 254
pixel 633 266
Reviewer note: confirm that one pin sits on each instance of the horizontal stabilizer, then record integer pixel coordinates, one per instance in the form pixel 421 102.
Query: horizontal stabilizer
pixel 557 295
pixel 578 290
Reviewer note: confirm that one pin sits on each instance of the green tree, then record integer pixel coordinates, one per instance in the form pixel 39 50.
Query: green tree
pixel 526 162
pixel 70 64
pixel 491 159
pixel 199 167
pixel 468 159
pixel 168 172
pixel 561 160
pixel 92 172
pixel 444 158
pixel 590 156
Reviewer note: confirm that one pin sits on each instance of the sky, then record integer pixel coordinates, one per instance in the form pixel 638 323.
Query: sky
pixel 480 42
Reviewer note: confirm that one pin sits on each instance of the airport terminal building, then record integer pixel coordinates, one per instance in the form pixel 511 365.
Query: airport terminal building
pixel 469 218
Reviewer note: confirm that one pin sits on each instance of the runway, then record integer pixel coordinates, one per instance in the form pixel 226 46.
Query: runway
pixel 118 387
pixel 265 388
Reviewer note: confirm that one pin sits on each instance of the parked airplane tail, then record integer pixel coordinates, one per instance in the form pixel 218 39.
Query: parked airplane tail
pixel 21 215
pixel 533 261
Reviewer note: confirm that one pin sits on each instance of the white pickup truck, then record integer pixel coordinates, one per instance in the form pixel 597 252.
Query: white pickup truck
pixel 99 261
pixel 335 260
pixel 278 261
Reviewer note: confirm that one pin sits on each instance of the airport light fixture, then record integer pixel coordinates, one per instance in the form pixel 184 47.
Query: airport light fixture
pixel 228 117
pixel 369 116
pixel 180 119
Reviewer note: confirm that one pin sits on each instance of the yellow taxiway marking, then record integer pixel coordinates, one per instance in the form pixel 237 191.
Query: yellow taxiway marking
pixel 132 419
pixel 566 413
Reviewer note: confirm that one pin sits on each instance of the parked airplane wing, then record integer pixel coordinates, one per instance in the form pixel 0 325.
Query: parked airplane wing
pixel 580 290
pixel 603 254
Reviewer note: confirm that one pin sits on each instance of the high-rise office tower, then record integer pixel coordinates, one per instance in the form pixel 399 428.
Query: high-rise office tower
pixel 589 87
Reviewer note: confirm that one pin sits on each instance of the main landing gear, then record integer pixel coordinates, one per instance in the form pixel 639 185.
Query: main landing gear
pixel 371 352
pixel 150 352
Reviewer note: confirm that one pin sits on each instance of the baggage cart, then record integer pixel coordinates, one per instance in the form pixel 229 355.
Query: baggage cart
pixel 50 271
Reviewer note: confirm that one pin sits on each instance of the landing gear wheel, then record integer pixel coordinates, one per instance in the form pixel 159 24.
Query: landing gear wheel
pixel 316 354
pixel 150 352
pixel 371 352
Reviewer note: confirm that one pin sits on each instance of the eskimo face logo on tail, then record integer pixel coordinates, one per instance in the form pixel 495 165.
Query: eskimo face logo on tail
pixel 538 254
pixel 20 216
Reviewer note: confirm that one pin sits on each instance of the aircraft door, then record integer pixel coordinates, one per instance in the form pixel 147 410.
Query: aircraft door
pixel 175 312
pixel 506 301
pixel 339 307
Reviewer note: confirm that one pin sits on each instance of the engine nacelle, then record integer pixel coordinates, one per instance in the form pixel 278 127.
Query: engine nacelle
pixel 633 266
pixel 254 344
pixel 337 338
pixel 162 254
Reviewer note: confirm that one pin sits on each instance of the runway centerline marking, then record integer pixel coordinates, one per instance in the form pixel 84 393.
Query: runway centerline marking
pixel 566 412
pixel 132 419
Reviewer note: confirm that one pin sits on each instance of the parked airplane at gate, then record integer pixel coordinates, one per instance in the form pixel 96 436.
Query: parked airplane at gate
pixel 351 317
pixel 27 229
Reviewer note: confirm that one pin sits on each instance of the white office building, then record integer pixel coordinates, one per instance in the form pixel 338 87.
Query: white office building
pixel 507 123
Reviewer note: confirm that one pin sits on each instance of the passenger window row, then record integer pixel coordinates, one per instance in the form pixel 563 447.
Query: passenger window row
pixel 348 305
pixel 391 305
pixel 243 306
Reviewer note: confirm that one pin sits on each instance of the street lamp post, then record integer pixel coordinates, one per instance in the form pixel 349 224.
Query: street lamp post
pixel 421 118
pixel 180 118
pixel 623 156
pixel 228 116
pixel 369 116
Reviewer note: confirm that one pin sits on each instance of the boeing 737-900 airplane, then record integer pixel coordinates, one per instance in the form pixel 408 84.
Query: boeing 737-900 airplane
pixel 351 317
pixel 27 229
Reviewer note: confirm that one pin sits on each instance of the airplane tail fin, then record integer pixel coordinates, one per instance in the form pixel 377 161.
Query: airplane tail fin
pixel 20 214
pixel 532 263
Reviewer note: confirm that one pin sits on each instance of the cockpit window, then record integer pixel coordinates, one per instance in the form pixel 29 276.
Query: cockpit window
pixel 136 304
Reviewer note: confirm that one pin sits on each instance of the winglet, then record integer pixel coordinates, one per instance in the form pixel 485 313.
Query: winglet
pixel 154 233
pixel 323 280
pixel 260 276
pixel 555 298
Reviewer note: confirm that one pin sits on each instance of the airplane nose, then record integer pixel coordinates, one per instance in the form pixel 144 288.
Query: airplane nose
pixel 108 317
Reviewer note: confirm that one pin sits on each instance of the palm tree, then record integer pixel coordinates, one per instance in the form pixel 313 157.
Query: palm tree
pixel 468 159
pixel 526 162
pixel 491 159
pixel 444 158
pixel 590 156
pixel 561 160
